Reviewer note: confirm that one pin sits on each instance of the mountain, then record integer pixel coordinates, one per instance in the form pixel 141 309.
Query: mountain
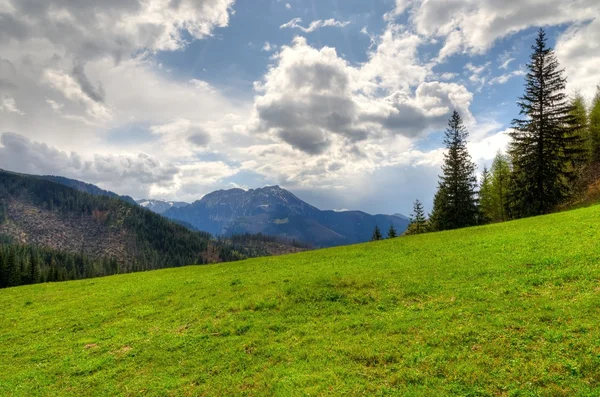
pixel 85 187
pixel 160 206
pixel 275 211
pixel 37 213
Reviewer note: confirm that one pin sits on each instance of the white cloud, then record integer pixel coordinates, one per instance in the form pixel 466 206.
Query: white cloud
pixel 506 62
pixel 268 47
pixel 503 79
pixel 474 25
pixel 9 105
pixel 314 25
pixel 314 100
pixel 115 28
pixel 399 9
pixel 140 175
pixel 72 90
pixel 578 50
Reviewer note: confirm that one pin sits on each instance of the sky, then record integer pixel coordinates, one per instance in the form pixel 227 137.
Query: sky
pixel 342 102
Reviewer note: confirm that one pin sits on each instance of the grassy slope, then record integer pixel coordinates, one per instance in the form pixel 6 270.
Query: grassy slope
pixel 509 309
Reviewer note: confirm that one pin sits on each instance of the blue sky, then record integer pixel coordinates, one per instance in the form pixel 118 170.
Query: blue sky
pixel 342 102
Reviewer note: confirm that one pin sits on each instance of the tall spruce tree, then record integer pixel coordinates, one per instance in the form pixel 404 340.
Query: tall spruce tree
pixel 376 236
pixel 594 127
pixel 579 131
pixel 542 141
pixel 500 185
pixel 486 208
pixel 418 222
pixel 455 203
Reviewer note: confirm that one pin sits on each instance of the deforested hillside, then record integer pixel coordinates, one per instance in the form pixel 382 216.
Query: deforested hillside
pixel 40 212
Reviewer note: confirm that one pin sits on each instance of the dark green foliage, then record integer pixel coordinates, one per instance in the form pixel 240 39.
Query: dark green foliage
pixel 500 179
pixel 27 264
pixel 418 222
pixel 455 203
pixel 2 210
pixel 594 127
pixel 34 268
pixel 485 197
pixel 544 140
pixel 392 233
pixel 376 234
pixel 581 144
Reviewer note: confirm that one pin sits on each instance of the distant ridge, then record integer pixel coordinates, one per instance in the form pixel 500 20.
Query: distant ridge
pixel 160 206
pixel 85 187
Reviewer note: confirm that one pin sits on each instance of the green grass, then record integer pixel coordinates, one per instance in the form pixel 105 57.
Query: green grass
pixel 510 309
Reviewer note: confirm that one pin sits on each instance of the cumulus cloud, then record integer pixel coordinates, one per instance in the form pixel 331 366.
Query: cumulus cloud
pixel 115 28
pixel 476 24
pixel 80 69
pixel 140 175
pixel 578 50
pixel 310 98
pixel 314 25
pixel 20 154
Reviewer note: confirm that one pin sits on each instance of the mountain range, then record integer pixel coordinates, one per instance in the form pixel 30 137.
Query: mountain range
pixel 271 211
pixel 275 211
pixel 77 218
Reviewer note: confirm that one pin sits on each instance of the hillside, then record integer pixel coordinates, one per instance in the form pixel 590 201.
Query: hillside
pixel 505 309
pixel 37 212
pixel 275 211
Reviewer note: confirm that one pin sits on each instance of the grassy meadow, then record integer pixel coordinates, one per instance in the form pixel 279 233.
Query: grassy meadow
pixel 503 310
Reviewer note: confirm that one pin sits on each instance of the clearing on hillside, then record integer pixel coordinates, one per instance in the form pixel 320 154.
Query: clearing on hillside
pixel 507 309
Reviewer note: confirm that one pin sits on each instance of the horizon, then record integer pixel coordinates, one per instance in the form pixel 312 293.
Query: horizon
pixel 343 104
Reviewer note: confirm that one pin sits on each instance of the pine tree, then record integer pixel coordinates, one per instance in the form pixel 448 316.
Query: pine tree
pixel 418 222
pixel 34 269
pixel 542 141
pixel 594 127
pixel 581 144
pixel 14 268
pixel 3 268
pixel 486 207
pixel 376 234
pixel 500 185
pixel 455 203
pixel 392 233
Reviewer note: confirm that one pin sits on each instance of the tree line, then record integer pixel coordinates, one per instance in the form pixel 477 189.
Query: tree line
pixel 27 264
pixel 553 154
